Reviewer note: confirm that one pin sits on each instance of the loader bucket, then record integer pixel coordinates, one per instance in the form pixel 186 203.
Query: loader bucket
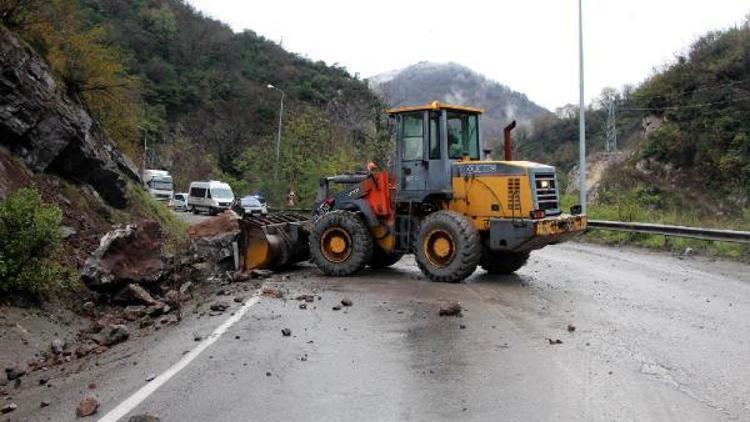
pixel 273 241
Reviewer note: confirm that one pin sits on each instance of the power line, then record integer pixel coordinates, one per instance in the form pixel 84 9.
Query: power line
pixel 690 91
pixel 687 106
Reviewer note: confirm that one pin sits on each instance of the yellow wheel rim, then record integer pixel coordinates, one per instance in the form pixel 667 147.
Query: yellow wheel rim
pixel 439 248
pixel 336 244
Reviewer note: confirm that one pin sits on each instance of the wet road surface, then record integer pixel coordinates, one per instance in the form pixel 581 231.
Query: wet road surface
pixel 657 338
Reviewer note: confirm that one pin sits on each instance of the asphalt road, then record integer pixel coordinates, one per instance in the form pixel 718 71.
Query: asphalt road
pixel 657 338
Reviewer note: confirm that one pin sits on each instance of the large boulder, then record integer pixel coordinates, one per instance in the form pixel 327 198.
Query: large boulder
pixel 126 255
pixel 212 241
pixel 50 131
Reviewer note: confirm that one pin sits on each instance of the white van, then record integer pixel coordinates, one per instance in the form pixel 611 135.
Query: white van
pixel 211 197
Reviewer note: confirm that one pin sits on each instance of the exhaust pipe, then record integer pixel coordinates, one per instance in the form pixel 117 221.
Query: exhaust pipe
pixel 508 146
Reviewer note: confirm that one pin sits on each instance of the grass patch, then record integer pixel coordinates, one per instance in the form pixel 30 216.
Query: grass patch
pixel 175 230
pixel 638 205
pixel 29 238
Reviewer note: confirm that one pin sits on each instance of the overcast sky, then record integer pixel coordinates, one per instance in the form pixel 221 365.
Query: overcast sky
pixel 528 45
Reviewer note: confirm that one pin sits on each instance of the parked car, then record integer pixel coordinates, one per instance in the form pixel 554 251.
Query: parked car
pixel 179 202
pixel 250 205
pixel 211 197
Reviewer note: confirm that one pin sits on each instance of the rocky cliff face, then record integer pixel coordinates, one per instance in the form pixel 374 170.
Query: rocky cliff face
pixel 50 131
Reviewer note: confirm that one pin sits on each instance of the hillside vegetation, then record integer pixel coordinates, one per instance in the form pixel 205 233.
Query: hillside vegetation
pixel 685 125
pixel 207 109
pixel 159 71
pixel 686 135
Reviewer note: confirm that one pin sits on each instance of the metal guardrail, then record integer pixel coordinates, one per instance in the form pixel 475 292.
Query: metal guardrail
pixel 677 231
pixel 647 228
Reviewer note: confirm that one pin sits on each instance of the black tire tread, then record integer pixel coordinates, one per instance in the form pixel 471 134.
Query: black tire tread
pixel 468 247
pixel 361 239
pixel 500 262
pixel 382 259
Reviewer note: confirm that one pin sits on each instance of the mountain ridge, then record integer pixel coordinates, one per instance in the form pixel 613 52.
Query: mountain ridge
pixel 454 83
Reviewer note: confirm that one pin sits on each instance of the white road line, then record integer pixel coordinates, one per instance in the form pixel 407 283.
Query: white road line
pixel 139 396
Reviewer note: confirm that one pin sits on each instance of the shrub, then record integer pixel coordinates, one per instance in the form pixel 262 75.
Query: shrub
pixel 29 236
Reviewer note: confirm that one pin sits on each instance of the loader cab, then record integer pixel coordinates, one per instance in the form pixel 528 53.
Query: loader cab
pixel 428 140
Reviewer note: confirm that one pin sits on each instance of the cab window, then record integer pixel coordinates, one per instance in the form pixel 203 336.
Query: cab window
pixel 412 136
pixel 463 135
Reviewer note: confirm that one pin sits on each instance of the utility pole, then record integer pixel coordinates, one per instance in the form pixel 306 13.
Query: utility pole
pixel 611 125
pixel 145 151
pixel 581 112
pixel 278 135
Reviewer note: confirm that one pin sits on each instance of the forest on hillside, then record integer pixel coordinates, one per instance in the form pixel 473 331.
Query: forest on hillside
pixel 701 103
pixel 159 71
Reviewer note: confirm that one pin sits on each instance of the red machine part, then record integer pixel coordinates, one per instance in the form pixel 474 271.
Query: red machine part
pixel 379 195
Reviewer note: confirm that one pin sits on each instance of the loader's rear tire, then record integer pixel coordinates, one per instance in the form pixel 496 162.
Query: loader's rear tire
pixel 497 262
pixel 448 247
pixel 340 243
pixel 382 259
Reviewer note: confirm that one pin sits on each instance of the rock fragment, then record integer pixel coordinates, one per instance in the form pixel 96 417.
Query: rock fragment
pixel 571 328
pixel 83 350
pixel 347 302
pixel 556 341
pixel 14 372
pixel 133 312
pixel 272 292
pixel 146 321
pixel 57 346
pixel 8 408
pixel 219 306
pixel 87 407
pixel 286 332
pixel 257 273
pixel 143 418
pixel 89 309
pixel 112 334
pixel 451 309
pixel 133 293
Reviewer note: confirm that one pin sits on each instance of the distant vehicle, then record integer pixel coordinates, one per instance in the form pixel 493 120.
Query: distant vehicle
pixel 159 184
pixel 251 205
pixel 211 197
pixel 179 202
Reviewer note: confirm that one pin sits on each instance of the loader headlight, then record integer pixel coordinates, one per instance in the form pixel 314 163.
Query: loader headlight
pixel 544 184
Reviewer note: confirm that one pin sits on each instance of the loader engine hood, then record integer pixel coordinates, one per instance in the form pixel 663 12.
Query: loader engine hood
pixel 521 186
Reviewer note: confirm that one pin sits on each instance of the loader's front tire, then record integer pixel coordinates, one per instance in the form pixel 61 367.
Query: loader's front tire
pixel 448 247
pixel 340 243
pixel 497 262
pixel 382 259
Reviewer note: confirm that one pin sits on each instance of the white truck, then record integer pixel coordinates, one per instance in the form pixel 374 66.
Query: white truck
pixel 211 196
pixel 159 184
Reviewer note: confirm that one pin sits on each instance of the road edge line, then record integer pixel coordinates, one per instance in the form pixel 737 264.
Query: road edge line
pixel 142 394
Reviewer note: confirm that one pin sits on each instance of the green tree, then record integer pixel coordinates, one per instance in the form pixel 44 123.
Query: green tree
pixel 29 237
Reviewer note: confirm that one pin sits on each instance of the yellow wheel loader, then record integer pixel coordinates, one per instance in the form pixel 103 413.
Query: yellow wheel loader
pixel 446 202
